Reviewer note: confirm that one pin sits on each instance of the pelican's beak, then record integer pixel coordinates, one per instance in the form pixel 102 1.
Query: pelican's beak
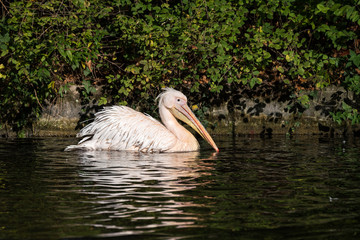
pixel 183 112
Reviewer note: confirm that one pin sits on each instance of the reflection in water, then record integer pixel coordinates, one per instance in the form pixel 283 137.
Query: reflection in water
pixel 133 167
pixel 254 188
pixel 143 188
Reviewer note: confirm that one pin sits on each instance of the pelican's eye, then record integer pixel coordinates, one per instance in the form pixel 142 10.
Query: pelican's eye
pixel 178 100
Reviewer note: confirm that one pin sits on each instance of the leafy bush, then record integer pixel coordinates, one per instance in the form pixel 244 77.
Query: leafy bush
pixel 348 113
pixel 214 49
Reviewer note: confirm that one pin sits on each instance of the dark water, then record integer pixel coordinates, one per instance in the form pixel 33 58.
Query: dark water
pixel 279 188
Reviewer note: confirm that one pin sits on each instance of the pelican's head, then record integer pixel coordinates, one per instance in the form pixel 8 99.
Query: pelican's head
pixel 176 103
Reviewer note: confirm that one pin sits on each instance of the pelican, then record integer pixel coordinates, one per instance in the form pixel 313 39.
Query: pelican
pixel 124 129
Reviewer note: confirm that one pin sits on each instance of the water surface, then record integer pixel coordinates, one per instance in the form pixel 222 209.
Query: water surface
pixel 255 188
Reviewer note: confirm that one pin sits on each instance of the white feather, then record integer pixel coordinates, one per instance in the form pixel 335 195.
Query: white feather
pixel 122 128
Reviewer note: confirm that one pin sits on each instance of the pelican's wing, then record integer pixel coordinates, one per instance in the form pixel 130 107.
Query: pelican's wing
pixel 122 128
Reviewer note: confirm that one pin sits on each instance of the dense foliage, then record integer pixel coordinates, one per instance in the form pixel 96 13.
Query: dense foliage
pixel 215 49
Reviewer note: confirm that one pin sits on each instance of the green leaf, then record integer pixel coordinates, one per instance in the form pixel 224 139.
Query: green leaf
pixel 4 38
pixel 102 101
pixel 69 55
pixel 322 8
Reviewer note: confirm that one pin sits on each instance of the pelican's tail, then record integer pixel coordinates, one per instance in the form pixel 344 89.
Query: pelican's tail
pixel 82 145
pixel 71 148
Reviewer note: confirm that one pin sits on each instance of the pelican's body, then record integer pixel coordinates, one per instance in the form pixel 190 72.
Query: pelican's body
pixel 122 128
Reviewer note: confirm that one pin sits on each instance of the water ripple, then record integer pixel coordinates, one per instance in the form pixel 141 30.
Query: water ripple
pixel 254 188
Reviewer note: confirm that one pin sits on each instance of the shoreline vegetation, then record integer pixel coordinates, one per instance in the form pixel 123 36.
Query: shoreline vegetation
pixel 247 67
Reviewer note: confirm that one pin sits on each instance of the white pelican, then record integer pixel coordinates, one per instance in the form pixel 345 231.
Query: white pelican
pixel 122 128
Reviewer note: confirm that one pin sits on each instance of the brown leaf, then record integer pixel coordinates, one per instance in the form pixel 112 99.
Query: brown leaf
pixel 88 64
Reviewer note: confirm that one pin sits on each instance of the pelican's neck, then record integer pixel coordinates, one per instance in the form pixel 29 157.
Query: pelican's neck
pixel 174 126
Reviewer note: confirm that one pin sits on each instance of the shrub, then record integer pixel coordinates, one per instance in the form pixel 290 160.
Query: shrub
pixel 206 48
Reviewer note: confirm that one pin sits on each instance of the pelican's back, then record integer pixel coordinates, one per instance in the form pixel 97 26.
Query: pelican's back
pixel 122 128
